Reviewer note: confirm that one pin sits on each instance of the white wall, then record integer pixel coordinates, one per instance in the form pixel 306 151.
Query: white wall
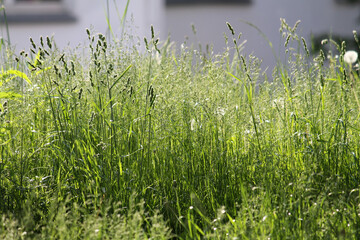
pixel 90 14
pixel 319 16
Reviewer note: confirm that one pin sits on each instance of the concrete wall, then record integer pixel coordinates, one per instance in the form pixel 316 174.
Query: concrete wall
pixel 319 16
pixel 89 14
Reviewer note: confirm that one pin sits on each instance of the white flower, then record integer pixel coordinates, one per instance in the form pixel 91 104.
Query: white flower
pixel 350 57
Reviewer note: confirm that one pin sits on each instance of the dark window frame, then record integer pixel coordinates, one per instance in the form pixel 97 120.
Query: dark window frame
pixel 29 12
pixel 38 0
pixel 198 2
pixel 347 1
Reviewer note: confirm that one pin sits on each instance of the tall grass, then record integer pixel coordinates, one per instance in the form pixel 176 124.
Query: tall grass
pixel 182 144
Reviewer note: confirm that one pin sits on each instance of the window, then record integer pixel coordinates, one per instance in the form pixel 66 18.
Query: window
pixel 33 11
pixel 178 2
pixel 37 0
pixel 348 1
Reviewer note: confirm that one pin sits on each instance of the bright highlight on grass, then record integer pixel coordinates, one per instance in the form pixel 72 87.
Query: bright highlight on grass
pixel 162 143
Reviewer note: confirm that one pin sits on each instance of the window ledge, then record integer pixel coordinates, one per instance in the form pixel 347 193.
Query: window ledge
pixel 29 18
pixel 37 12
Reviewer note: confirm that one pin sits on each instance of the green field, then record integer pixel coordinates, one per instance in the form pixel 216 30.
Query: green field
pixel 113 141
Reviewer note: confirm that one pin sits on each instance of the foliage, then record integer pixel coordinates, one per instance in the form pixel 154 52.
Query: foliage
pixel 185 144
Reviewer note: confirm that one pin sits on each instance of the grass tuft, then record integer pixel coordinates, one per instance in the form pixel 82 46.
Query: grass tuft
pixel 167 143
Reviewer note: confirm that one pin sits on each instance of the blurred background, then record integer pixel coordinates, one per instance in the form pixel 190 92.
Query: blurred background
pixel 66 21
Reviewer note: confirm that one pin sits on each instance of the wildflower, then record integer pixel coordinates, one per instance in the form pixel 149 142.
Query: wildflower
pixel 350 57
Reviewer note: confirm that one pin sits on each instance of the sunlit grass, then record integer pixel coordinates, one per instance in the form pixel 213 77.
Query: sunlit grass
pixel 158 143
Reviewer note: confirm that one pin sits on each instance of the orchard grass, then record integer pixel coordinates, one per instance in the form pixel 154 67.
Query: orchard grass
pixel 116 142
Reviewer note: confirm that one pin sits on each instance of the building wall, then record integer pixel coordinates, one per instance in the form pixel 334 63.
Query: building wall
pixel 89 14
pixel 320 16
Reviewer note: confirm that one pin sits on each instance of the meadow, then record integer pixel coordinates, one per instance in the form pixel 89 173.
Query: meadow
pixel 110 141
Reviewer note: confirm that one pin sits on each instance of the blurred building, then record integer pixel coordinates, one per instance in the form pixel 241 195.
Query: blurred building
pixel 67 20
